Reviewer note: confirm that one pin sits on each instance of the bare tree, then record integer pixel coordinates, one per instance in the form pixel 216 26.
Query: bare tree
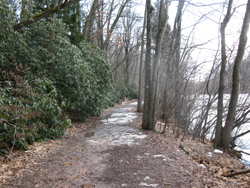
pixel 139 106
pixel 146 107
pixel 152 75
pixel 218 128
pixel 177 45
pixel 88 28
pixel 162 23
pixel 111 27
pixel 226 133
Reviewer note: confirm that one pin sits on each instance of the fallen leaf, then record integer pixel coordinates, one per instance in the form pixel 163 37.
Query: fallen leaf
pixel 74 177
pixel 89 186
pixel 75 158
pixel 68 164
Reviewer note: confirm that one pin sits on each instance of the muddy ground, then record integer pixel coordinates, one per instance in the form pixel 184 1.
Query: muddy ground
pixel 112 152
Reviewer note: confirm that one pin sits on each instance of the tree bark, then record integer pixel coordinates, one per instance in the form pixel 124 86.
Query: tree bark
pixel 226 132
pixel 177 38
pixel 162 23
pixel 139 106
pixel 152 77
pixel 218 127
pixel 88 29
pixel 145 119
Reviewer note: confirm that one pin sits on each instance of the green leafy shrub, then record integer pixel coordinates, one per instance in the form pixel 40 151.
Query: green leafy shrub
pixel 132 91
pixel 82 75
pixel 122 91
pixel 52 77
pixel 28 113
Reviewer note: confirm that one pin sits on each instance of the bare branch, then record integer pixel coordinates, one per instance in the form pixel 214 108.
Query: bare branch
pixel 45 14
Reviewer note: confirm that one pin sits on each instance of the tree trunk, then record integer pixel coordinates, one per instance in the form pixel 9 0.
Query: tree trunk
pixel 88 29
pixel 139 106
pixel 145 119
pixel 151 82
pixel 177 38
pixel 127 65
pixel 162 23
pixel 226 132
pixel 218 127
pixel 100 25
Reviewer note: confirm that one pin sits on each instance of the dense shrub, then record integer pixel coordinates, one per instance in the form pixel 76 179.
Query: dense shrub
pixel 43 75
pixel 132 91
pixel 28 113
pixel 122 91
pixel 81 73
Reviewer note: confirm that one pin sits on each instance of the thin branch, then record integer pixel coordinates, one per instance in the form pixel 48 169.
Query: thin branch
pixel 45 14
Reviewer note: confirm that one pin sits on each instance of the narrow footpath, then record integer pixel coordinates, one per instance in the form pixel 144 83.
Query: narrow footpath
pixel 112 152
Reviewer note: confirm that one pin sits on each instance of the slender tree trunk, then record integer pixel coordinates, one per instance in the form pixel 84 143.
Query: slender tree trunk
pixel 127 66
pixel 112 27
pixel 177 37
pixel 218 127
pixel 139 106
pixel 151 82
pixel 100 25
pixel 88 29
pixel 145 120
pixel 226 132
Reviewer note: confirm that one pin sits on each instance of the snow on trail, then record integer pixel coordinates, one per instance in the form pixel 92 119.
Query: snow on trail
pixel 112 132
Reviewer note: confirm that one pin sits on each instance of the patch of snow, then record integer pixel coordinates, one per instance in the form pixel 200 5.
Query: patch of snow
pixel 218 151
pixel 139 157
pixel 160 123
pixel 120 118
pixel 147 153
pixel 164 157
pixel 148 185
pixel 134 103
pixel 202 165
pixel 128 108
pixel 123 185
pixel 115 135
pixel 146 178
pixel 210 154
pixel 159 156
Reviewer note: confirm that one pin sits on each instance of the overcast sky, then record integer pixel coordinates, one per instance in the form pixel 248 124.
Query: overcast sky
pixel 208 14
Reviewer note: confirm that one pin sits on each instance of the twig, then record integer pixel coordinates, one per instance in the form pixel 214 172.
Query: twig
pixel 236 173
pixel 14 137
pixel 244 152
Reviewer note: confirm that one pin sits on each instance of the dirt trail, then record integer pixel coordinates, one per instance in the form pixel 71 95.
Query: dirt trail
pixel 114 153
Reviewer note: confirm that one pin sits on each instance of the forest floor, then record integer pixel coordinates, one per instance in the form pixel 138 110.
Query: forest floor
pixel 116 153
